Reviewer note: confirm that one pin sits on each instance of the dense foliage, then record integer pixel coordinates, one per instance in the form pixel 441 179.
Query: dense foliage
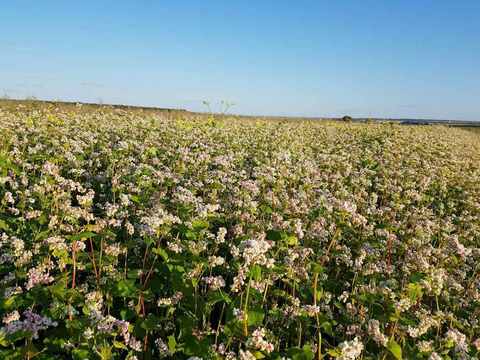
pixel 136 236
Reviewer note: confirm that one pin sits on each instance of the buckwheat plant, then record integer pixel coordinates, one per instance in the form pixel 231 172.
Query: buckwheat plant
pixel 135 235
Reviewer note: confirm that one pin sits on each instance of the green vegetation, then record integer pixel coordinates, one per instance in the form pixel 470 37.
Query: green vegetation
pixel 146 234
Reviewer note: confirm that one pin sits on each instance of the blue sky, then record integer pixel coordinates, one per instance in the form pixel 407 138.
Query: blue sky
pixel 396 58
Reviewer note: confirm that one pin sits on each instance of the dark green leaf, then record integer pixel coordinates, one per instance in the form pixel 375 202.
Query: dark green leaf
pixel 395 349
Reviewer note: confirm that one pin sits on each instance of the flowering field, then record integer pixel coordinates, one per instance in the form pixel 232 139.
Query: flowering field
pixel 127 235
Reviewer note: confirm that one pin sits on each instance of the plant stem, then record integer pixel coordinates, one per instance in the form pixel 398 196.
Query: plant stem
pixel 315 285
pixel 74 258
pixel 219 323
pixel 300 333
pixel 94 263
pixel 245 309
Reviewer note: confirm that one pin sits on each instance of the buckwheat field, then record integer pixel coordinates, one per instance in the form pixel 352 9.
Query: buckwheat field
pixel 131 235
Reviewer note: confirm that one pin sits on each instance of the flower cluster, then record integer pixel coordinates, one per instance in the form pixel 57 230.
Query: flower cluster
pixel 32 323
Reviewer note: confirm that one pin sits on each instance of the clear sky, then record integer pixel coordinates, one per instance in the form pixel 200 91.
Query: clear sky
pixel 396 58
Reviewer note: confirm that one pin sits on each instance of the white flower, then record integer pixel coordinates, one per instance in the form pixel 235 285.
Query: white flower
pixel 311 310
pixel 162 348
pixel 458 339
pixel 174 247
pixel 216 261
pixel 350 350
pixel 130 228
pixel 254 252
pixel 135 344
pixel 220 238
pixel 375 332
pixel 214 282
pixel 87 199
pixel 425 346
pixel 10 317
pixel 78 245
pixel 37 276
pixel 124 199
pixel 171 300
pixel 246 355
pixel 476 343
pixel 113 249
pixel 344 297
pixel 9 197
pixel 56 243
pixel 258 342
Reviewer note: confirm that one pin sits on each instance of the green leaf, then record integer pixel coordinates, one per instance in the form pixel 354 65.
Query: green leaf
pixel 9 303
pixel 3 339
pixel 190 235
pixel 43 219
pixel 150 323
pixel 292 240
pixel 119 345
pixel 256 272
pixel 172 343
pixel 161 252
pixel 4 225
pixel 218 296
pixel 126 288
pixel 148 240
pixel 105 352
pixel 265 209
pixel 82 235
pixel 416 277
pixel 59 289
pixel 304 353
pixel 334 353
pixel 415 292
pixel 133 273
pixel 274 235
pixel 395 349
pixel 135 199
pixel 41 235
pixel 193 346
pixel 198 225
pixel 317 268
pixel 81 354
pixel 255 316
pixel 327 328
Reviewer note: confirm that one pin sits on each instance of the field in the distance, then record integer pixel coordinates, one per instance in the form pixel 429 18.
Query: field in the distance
pixel 150 234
